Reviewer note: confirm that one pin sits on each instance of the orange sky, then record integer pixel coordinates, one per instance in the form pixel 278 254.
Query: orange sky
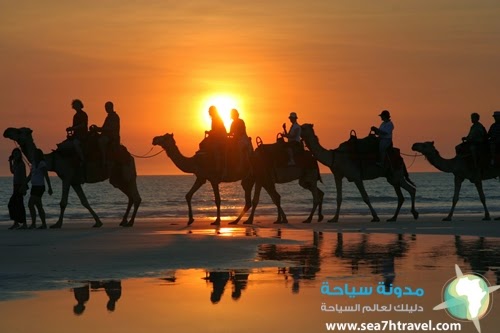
pixel 335 63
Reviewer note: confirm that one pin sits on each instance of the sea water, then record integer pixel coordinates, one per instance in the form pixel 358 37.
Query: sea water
pixel 164 196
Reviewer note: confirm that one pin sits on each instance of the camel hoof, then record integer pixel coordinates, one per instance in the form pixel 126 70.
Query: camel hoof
pixel 487 218
pixel 447 219
pixel 497 218
pixel 129 224
pixel 392 219
pixel 215 223
pixel 190 221
pixel 97 225
pixel 248 222
pixel 320 217
pixel 333 220
pixel 123 223
pixel 281 222
pixel 307 221
pixel 375 219
pixel 56 226
pixel 415 215
pixel 233 223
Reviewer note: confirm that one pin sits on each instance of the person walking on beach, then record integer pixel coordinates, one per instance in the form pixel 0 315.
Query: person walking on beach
pixel 79 130
pixel 17 212
pixel 384 133
pixel 494 136
pixel 110 132
pixel 38 176
pixel 293 135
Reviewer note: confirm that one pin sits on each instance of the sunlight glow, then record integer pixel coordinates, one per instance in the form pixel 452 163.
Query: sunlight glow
pixel 224 103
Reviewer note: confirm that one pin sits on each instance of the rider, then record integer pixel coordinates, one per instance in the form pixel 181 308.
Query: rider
pixel 110 131
pixel 79 129
pixel 494 135
pixel 293 136
pixel 216 139
pixel 238 132
pixel 384 132
pixel 476 137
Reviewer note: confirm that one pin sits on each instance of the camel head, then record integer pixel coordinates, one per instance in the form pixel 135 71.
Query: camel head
pixel 20 135
pixel 307 131
pixel 425 148
pixel 164 141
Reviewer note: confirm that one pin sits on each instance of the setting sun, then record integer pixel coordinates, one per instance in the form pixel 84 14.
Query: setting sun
pixel 224 103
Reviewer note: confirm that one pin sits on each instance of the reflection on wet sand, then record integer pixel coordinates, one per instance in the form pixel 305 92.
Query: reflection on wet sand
pixel 113 289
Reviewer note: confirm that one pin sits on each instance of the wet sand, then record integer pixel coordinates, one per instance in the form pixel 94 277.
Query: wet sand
pixel 40 259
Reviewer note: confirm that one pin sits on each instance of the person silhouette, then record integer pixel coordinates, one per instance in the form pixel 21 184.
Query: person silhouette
pixel 110 132
pixel 384 133
pixel 293 135
pixel 474 141
pixel 17 212
pixel 78 131
pixel 82 296
pixel 215 141
pixel 238 133
pixel 38 176
pixel 219 281
pixel 494 136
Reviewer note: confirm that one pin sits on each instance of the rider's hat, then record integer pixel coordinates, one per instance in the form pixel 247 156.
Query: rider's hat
pixel 293 115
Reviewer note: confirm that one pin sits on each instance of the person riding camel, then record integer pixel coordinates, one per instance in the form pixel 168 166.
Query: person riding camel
pixel 293 145
pixel 384 133
pixel 77 133
pixel 475 139
pixel 216 139
pixel 494 136
pixel 238 133
pixel 110 132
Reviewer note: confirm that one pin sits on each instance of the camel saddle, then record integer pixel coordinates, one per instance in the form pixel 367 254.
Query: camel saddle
pixel 483 155
pixel 276 155
pixel 366 151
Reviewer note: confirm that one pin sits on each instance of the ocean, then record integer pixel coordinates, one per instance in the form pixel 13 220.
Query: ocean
pixel 164 196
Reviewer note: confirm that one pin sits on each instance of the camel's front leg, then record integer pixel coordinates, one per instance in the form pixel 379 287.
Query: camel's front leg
pixel 458 186
pixel 247 185
pixel 197 184
pixel 479 187
pixel 215 187
pixel 366 199
pixel 321 195
pixel 338 185
pixel 62 205
pixel 401 199
pixel 83 199
pixel 276 198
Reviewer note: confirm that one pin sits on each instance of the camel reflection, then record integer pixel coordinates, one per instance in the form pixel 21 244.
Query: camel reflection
pixel 113 289
pixel 482 254
pixel 379 257
pixel 306 258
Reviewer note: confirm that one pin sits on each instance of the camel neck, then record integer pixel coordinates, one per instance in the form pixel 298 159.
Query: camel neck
pixel 324 156
pixel 440 163
pixel 185 164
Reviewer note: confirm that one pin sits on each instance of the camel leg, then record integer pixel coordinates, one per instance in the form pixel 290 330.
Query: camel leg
pixel 134 198
pixel 62 205
pixel 320 205
pixel 314 191
pixel 479 187
pixel 458 186
pixel 338 185
pixel 401 199
pixel 85 203
pixel 276 198
pixel 247 185
pixel 412 191
pixel 197 184
pixel 366 199
pixel 215 187
pixel 255 202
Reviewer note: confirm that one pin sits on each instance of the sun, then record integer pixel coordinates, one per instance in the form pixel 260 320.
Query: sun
pixel 224 103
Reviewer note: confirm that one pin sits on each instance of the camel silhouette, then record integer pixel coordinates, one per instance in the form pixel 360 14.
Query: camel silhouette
pixel 342 165
pixel 123 177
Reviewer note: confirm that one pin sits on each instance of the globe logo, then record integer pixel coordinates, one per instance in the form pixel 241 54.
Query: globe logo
pixel 467 297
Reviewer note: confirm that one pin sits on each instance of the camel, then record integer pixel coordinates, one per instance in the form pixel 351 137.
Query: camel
pixel 461 170
pixel 267 175
pixel 342 165
pixel 202 167
pixel 124 179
